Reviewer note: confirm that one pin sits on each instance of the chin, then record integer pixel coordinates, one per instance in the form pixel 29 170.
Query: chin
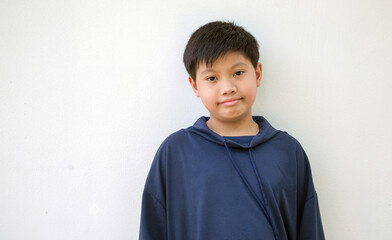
pixel 232 118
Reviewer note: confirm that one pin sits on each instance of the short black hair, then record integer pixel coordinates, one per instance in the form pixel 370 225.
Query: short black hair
pixel 214 40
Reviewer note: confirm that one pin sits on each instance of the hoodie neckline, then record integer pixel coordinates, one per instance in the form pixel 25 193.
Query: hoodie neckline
pixel 266 132
pixel 240 139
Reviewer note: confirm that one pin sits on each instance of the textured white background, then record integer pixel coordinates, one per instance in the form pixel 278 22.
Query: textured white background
pixel 89 89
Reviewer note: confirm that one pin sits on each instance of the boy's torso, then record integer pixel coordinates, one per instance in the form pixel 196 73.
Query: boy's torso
pixel 206 196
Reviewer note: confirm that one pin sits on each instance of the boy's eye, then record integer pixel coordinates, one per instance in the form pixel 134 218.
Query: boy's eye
pixel 238 73
pixel 211 78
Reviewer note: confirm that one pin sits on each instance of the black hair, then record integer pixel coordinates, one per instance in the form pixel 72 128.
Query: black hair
pixel 214 40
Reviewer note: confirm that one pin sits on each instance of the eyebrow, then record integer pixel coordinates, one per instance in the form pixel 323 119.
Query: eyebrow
pixel 212 70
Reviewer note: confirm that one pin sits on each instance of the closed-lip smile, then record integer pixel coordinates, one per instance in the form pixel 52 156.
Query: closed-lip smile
pixel 230 101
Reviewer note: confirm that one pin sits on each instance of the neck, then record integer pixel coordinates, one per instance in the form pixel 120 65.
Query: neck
pixel 241 127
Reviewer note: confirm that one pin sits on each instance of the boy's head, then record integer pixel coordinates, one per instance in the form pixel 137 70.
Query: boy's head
pixel 214 40
pixel 222 61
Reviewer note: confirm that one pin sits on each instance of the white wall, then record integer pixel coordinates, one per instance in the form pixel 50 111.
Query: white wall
pixel 89 89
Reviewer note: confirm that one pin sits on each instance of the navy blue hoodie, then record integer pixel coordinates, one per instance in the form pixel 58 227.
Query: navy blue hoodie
pixel 202 186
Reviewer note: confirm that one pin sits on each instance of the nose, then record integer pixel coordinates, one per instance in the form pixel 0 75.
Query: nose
pixel 228 86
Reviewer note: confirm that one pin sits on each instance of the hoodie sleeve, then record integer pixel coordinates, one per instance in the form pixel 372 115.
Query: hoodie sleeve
pixel 153 210
pixel 153 218
pixel 309 218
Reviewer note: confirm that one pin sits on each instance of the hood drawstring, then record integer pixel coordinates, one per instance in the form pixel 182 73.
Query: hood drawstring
pixel 264 208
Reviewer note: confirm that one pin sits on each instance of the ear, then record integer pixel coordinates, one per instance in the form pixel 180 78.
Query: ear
pixel 194 86
pixel 259 69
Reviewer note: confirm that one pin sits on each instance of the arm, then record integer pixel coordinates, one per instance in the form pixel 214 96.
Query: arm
pixel 309 219
pixel 153 218
pixel 153 225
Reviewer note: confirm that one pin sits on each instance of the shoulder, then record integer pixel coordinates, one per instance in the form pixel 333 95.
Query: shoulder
pixel 175 142
pixel 296 151
pixel 165 153
pixel 175 138
pixel 286 140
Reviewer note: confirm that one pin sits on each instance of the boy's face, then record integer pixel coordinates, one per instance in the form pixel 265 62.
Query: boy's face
pixel 228 89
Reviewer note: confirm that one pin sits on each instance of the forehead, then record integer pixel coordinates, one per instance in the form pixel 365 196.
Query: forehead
pixel 225 61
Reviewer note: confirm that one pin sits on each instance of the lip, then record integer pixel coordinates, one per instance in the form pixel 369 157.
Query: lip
pixel 231 101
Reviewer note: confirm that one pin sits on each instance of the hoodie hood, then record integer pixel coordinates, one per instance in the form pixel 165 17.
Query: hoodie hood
pixel 265 133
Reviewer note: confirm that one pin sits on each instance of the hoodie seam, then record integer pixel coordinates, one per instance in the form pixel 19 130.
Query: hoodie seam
pixel 310 198
pixel 155 198
pixel 203 137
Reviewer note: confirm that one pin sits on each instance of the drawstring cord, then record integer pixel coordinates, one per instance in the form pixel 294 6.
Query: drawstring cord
pixel 263 193
pixel 265 209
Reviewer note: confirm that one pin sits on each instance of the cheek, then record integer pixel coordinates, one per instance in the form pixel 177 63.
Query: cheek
pixel 208 98
pixel 208 101
pixel 250 92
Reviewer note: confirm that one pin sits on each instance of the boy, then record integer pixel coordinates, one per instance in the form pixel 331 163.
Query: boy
pixel 230 176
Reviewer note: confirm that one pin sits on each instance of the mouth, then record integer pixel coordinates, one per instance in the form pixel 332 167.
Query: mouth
pixel 231 101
